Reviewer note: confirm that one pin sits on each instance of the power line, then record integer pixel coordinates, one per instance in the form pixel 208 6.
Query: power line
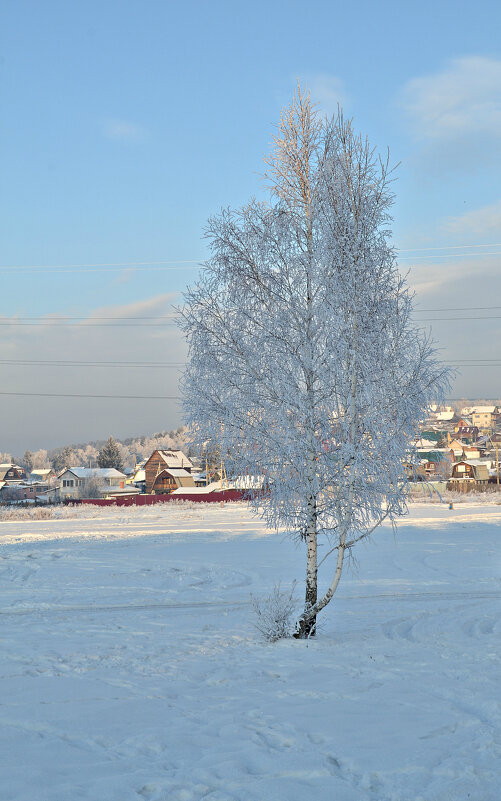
pixel 119 265
pixel 182 265
pixel 81 395
pixel 177 264
pixel 444 319
pixel 88 324
pixel 449 247
pixel 466 308
pixel 167 319
pixel 175 315
pixel 63 319
pixel 71 363
pixel 451 256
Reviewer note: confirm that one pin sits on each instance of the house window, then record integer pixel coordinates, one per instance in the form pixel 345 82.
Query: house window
pixel 68 482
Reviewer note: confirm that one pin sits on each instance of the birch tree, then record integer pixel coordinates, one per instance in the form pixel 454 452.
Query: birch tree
pixel 304 365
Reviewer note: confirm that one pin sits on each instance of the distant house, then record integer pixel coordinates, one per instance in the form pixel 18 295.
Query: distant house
pixel 433 435
pixel 471 452
pixel 472 471
pixel 460 450
pixel 73 481
pixel 46 474
pixel 483 417
pixel 12 472
pixel 468 434
pixel 435 463
pixel 20 492
pixel 444 414
pixel 166 471
pixel 137 479
pixel 25 492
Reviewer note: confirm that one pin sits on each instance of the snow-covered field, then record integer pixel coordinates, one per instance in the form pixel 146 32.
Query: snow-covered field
pixel 131 670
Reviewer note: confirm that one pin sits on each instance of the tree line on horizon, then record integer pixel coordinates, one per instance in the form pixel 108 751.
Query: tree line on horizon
pixel 98 453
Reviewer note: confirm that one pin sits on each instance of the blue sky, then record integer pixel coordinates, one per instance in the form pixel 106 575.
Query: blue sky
pixel 124 125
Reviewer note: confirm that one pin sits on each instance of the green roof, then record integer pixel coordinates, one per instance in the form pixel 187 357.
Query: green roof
pixel 433 436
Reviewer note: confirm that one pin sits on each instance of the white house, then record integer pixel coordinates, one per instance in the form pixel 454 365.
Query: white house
pixel 73 480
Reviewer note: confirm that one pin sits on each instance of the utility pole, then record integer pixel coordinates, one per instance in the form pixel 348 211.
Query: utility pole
pixel 497 465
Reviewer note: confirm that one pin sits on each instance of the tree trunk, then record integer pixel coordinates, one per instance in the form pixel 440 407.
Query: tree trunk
pixel 307 624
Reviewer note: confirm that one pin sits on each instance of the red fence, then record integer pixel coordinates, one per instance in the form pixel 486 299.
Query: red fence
pixel 147 500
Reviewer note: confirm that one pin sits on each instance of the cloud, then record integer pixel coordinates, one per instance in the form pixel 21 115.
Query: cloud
pixel 124 130
pixel 47 421
pixel 484 221
pixel 157 306
pixel 327 91
pixel 463 99
pixel 125 276
pixel 448 279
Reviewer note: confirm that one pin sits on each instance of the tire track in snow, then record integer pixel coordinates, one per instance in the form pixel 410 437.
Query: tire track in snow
pixel 123 607
pixel 430 596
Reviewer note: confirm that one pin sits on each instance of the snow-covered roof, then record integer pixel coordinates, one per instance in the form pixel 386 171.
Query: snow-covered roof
pixel 433 450
pixel 214 486
pixel 444 416
pixel 127 490
pixel 476 462
pixel 139 475
pixel 425 443
pixel 177 472
pixel 175 458
pixel 482 409
pixel 98 472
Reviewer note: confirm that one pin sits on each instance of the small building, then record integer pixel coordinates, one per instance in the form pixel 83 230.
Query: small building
pixel 169 480
pixel 434 435
pixel 137 479
pixel 435 463
pixel 472 471
pixel 22 491
pixel 484 417
pixel 445 414
pixel 468 434
pixel 74 481
pixel 45 474
pixel 12 472
pixel 167 470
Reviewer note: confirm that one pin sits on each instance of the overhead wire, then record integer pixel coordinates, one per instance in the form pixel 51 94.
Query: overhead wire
pixel 85 395
pixel 72 363
pixel 178 264
pixel 182 264
pixel 449 247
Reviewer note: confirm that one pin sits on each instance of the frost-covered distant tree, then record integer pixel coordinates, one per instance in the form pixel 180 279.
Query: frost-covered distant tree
pixel 110 455
pixel 40 459
pixel 92 487
pixel 304 364
pixel 61 459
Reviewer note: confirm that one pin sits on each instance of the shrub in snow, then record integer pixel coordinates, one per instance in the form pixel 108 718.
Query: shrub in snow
pixel 274 613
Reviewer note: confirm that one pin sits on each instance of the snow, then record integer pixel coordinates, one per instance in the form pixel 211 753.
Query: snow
pixel 131 669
